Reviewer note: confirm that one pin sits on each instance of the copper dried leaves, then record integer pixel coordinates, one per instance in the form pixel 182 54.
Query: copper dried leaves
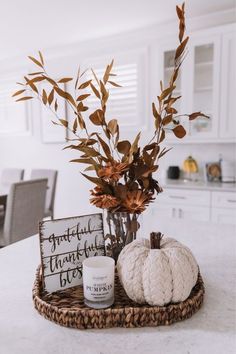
pixel 122 170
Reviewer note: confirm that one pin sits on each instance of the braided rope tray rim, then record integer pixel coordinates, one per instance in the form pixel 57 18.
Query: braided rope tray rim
pixel 66 308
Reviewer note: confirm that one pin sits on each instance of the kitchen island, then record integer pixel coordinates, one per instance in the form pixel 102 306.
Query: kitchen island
pixel 210 330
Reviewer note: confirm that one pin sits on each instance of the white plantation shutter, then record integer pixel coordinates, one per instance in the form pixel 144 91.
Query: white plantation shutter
pixel 126 103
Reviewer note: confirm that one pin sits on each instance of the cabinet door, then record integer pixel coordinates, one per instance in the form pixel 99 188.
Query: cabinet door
pixel 205 81
pixel 228 86
pixel 164 211
pixel 166 55
pixel 194 213
pixel 224 207
pixel 223 216
pixel 180 211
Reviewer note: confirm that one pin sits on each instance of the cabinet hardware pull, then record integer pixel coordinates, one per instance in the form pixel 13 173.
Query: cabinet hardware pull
pixel 173 212
pixel 231 200
pixel 177 197
pixel 180 213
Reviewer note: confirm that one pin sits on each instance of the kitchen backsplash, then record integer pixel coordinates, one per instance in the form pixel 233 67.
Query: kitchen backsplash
pixel 203 153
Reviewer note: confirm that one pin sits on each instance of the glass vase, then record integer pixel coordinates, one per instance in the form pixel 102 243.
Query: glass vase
pixel 120 229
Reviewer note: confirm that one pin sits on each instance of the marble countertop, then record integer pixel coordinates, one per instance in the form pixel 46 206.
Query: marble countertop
pixel 199 185
pixel 211 330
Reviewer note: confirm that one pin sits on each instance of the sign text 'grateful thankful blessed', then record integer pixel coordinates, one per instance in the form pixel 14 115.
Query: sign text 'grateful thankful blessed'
pixel 64 244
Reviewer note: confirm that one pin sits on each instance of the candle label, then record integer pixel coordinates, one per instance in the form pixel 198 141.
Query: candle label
pixel 99 288
pixel 64 244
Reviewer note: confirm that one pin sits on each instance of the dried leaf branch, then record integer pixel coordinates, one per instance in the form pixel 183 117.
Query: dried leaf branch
pixel 124 182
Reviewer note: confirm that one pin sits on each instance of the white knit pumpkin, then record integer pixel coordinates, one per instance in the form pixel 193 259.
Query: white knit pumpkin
pixel 157 276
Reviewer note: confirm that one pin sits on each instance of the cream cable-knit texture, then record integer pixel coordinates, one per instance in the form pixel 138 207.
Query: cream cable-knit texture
pixel 157 276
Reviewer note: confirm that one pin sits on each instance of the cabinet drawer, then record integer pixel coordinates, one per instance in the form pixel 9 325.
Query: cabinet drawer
pixel 181 212
pixel 224 200
pixel 183 197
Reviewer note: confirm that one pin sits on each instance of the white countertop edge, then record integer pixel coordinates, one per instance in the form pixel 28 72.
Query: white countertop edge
pixel 199 185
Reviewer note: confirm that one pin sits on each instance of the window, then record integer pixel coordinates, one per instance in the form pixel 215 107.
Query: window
pixel 127 104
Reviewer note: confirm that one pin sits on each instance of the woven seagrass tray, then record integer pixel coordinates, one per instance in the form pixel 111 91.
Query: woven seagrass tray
pixel 67 308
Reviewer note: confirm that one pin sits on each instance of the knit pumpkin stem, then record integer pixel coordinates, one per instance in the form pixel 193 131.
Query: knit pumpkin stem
pixel 155 240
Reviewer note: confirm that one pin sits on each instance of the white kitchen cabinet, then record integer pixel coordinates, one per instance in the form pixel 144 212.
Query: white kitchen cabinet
pixel 184 197
pixel 228 86
pixel 204 85
pixel 182 212
pixel 207 83
pixel 182 204
pixel 168 66
pixel 223 209
pixel 166 53
pixel 223 200
pixel 198 84
pixel 223 216
pixel 193 213
pixel 198 205
pixel 163 211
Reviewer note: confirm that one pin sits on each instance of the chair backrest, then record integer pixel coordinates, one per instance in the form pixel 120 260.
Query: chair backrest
pixel 51 175
pixel 25 208
pixel 11 175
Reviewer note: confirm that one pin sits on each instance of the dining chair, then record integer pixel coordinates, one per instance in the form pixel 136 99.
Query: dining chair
pixel 25 208
pixel 51 176
pixel 11 175
pixel 8 176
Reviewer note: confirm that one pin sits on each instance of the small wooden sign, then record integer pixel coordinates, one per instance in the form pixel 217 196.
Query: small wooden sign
pixel 64 244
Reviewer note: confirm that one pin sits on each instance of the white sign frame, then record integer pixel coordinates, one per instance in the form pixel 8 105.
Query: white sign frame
pixel 64 244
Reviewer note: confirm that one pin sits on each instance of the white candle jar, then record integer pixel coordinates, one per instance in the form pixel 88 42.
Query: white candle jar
pixel 98 281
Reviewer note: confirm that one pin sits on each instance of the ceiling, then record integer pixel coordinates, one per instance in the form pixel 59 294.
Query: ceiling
pixel 27 25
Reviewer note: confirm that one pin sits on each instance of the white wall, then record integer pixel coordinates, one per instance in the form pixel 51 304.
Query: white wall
pixel 29 152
